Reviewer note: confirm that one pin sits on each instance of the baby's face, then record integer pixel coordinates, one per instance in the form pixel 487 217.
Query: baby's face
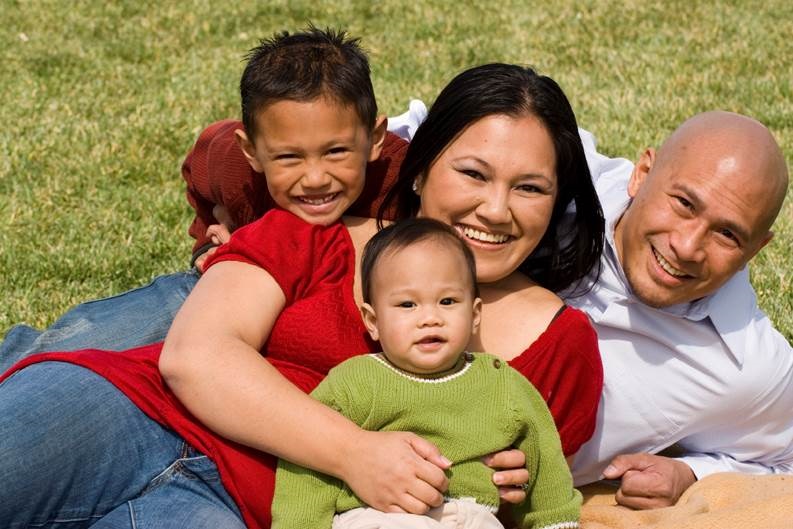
pixel 423 309
pixel 313 155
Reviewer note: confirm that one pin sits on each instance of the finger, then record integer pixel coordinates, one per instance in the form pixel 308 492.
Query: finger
pixel 434 477
pixel 638 483
pixel 622 463
pixel 515 477
pixel 639 502
pixel 409 504
pixel 429 451
pixel 426 494
pixel 512 495
pixel 507 459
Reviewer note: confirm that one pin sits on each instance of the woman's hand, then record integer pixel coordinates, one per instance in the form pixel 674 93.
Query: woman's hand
pixel 395 472
pixel 510 475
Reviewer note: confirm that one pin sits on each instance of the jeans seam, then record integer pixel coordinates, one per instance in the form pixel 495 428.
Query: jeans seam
pixel 66 520
pixel 132 520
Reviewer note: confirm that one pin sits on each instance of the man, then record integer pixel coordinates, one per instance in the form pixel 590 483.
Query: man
pixel 689 359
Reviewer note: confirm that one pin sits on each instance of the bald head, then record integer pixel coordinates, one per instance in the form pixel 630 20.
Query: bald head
pixel 701 208
pixel 735 144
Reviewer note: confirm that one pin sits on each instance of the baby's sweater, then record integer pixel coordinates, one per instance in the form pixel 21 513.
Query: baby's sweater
pixel 483 408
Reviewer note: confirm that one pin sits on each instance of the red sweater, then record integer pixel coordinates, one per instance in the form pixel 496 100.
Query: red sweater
pixel 319 327
pixel 217 172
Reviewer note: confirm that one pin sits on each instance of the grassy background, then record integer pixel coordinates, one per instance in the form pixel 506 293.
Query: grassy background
pixel 101 103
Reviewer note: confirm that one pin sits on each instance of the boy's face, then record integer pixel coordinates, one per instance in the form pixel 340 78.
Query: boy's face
pixel 314 156
pixel 423 310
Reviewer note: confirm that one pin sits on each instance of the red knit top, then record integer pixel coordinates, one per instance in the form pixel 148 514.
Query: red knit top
pixel 315 267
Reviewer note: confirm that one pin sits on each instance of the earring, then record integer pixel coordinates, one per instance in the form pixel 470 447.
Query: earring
pixel 415 187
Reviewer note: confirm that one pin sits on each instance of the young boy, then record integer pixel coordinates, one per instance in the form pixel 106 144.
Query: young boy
pixel 420 302
pixel 310 141
pixel 310 127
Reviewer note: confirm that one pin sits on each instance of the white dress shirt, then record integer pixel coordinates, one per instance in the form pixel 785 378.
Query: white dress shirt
pixel 712 376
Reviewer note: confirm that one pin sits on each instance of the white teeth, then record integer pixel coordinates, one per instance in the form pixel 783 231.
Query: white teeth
pixel 318 201
pixel 666 266
pixel 484 236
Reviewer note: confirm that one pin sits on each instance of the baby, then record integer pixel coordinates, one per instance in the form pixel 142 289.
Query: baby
pixel 422 304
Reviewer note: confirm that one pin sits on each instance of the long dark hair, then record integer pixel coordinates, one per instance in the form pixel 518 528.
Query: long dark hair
pixel 572 245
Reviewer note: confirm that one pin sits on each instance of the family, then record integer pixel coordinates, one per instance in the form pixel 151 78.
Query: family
pixel 598 313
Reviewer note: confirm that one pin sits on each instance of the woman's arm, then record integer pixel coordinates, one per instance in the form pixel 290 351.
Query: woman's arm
pixel 211 361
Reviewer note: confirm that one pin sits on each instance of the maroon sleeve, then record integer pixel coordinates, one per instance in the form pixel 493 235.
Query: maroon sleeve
pixel 564 365
pixel 381 175
pixel 216 172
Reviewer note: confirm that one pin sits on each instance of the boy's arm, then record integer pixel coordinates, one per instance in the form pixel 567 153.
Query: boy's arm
pixel 551 500
pixel 217 174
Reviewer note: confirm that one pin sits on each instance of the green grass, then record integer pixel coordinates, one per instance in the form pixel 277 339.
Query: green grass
pixel 101 103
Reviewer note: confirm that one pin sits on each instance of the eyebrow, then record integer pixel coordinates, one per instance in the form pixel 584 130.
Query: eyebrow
pixel 483 162
pixel 740 231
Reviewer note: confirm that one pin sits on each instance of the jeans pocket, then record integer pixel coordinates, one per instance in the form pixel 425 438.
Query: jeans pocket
pixel 198 466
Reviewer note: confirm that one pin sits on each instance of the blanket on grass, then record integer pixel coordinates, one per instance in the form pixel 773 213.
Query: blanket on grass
pixel 719 501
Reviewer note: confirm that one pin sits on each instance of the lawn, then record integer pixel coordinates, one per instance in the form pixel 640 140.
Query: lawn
pixel 101 103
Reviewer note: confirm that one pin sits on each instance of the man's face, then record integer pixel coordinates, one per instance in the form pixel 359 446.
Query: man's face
pixel 696 218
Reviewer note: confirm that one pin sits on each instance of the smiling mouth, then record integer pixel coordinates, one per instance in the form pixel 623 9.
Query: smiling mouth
pixel 317 200
pixel 668 268
pixel 482 236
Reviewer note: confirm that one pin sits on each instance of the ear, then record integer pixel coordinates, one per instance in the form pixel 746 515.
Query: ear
pixel 418 183
pixel 378 137
pixel 761 245
pixel 248 149
pixel 640 171
pixel 477 315
pixel 370 320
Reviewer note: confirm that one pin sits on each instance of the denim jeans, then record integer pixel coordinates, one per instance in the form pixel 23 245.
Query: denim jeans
pixel 75 452
pixel 137 317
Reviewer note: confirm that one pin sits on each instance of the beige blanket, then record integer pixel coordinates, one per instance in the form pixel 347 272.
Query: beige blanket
pixel 720 501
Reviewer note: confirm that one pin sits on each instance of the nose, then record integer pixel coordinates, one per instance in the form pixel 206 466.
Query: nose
pixel 430 317
pixel 687 241
pixel 315 175
pixel 493 205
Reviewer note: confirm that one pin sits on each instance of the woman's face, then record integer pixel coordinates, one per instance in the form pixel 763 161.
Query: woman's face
pixel 496 184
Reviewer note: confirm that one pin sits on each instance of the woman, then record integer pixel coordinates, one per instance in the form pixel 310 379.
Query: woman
pixel 499 159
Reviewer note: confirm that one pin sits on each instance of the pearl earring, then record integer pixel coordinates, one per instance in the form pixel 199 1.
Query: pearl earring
pixel 415 187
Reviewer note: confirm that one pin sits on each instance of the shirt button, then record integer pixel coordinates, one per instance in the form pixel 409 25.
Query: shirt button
pixel 497 363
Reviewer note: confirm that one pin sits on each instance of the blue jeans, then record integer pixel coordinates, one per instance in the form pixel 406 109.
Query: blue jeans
pixel 137 317
pixel 75 452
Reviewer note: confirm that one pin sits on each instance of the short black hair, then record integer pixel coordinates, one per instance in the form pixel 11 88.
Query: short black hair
pixel 568 250
pixel 304 66
pixel 405 233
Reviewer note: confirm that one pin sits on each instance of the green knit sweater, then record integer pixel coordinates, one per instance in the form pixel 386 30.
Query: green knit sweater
pixel 483 408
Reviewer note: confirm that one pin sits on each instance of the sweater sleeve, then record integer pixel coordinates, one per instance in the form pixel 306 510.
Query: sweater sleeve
pixel 217 173
pixel 306 499
pixel 551 499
